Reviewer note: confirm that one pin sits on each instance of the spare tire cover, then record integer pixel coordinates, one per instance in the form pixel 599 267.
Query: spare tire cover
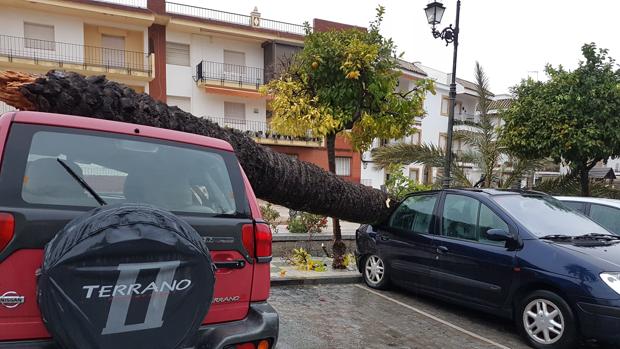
pixel 125 276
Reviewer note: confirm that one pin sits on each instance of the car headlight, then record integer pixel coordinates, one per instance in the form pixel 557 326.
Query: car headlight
pixel 612 280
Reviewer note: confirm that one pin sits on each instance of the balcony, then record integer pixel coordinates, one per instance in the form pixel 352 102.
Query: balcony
pixel 262 133
pixel 234 18
pixel 129 3
pixel 229 75
pixel 40 55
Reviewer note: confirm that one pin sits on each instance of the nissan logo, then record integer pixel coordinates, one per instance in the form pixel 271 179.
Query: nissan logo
pixel 11 299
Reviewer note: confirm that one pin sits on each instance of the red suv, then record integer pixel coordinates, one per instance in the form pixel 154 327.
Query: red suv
pixel 116 235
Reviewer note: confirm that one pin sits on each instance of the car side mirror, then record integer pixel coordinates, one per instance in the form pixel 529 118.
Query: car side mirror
pixel 499 235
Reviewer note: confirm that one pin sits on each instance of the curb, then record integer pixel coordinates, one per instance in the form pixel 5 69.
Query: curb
pixel 325 280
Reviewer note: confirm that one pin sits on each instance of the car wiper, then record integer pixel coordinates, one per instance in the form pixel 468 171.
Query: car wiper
pixel 597 236
pixel 82 182
pixel 556 237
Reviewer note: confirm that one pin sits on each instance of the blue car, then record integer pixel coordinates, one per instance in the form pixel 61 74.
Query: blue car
pixel 521 255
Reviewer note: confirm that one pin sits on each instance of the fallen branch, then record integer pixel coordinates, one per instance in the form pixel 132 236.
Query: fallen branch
pixel 275 177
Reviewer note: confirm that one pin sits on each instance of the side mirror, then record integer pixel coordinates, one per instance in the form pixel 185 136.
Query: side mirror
pixel 499 235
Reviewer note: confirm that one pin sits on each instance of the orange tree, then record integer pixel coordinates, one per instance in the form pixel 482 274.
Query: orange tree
pixel 345 80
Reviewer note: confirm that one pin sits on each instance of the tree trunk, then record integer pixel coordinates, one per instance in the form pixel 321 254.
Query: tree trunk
pixel 275 177
pixel 584 179
pixel 339 248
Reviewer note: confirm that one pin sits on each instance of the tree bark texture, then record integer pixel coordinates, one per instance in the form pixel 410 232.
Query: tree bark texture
pixel 275 177
pixel 339 248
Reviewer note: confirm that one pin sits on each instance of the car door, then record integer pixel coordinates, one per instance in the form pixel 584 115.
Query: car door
pixel 406 242
pixel 471 267
pixel 607 216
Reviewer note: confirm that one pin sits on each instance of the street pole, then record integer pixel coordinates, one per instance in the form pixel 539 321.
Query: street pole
pixel 452 98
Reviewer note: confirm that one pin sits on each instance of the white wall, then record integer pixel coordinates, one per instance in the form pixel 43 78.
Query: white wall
pixel 180 82
pixel 69 29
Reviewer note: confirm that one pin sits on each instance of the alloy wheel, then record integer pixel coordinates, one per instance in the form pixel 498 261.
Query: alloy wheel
pixel 374 270
pixel 543 321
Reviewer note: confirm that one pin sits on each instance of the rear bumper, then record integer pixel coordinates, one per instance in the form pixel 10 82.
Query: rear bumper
pixel 261 323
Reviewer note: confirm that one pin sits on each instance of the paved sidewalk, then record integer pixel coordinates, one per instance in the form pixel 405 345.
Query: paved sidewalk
pixel 283 273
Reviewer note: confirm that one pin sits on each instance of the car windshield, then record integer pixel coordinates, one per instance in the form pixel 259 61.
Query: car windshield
pixel 543 216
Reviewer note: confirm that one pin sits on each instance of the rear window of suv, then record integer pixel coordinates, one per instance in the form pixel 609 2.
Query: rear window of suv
pixel 120 168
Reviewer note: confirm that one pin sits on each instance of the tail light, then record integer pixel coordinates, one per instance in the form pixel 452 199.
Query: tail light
pixel 257 240
pixel 247 236
pixel 7 229
pixel 263 240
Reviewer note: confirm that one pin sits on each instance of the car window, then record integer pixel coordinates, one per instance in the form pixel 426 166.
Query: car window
pixel 606 216
pixel 414 214
pixel 176 178
pixel 489 220
pixel 577 206
pixel 460 215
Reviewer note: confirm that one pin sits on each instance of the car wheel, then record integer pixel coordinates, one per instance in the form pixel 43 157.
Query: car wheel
pixel 546 321
pixel 375 272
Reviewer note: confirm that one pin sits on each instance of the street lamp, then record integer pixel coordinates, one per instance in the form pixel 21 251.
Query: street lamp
pixel 434 13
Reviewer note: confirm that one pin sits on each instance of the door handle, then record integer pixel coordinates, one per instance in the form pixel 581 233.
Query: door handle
pixel 234 264
pixel 442 250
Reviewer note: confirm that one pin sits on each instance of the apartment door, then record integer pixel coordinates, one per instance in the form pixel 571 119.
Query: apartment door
pixel 113 51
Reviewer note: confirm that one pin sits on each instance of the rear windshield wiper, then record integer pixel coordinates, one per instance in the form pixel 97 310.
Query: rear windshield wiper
pixel 82 182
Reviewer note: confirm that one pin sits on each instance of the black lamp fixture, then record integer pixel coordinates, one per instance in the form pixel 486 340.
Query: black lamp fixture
pixel 434 13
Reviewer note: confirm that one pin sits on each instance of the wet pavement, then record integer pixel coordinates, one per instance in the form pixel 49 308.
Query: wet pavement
pixel 354 316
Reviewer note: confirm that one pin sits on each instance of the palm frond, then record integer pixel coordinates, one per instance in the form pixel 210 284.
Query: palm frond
pixel 404 153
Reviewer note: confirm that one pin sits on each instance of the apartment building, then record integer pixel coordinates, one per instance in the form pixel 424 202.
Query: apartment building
pixel 37 36
pixel 208 62
pixel 432 128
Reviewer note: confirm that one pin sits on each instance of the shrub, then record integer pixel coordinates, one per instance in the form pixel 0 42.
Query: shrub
pixel 308 223
pixel 399 185
pixel 270 215
pixel 302 260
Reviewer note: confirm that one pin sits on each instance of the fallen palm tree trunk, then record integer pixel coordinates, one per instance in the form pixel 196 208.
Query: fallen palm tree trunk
pixel 275 177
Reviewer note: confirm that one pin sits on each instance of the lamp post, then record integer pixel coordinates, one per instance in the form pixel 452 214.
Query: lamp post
pixel 434 12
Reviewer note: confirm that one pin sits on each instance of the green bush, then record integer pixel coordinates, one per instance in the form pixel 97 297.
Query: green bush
pixel 302 260
pixel 270 215
pixel 306 223
pixel 399 185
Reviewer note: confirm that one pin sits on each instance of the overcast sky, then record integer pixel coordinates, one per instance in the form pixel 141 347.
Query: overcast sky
pixel 510 38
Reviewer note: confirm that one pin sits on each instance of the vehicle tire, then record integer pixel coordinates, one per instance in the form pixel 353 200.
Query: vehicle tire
pixel 546 321
pixel 129 275
pixel 375 272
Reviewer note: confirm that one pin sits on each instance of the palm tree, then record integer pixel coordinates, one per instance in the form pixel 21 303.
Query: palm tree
pixel 485 148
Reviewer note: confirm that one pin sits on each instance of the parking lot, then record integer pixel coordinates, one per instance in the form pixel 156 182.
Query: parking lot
pixel 355 316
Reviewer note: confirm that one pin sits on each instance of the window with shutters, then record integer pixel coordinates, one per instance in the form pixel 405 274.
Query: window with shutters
pixel 113 50
pixel 39 36
pixel 177 54
pixel 343 166
pixel 234 62
pixel 234 113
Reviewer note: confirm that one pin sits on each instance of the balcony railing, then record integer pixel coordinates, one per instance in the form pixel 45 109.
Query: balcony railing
pixel 234 18
pixel 229 73
pixel 465 119
pixel 259 129
pixel 65 53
